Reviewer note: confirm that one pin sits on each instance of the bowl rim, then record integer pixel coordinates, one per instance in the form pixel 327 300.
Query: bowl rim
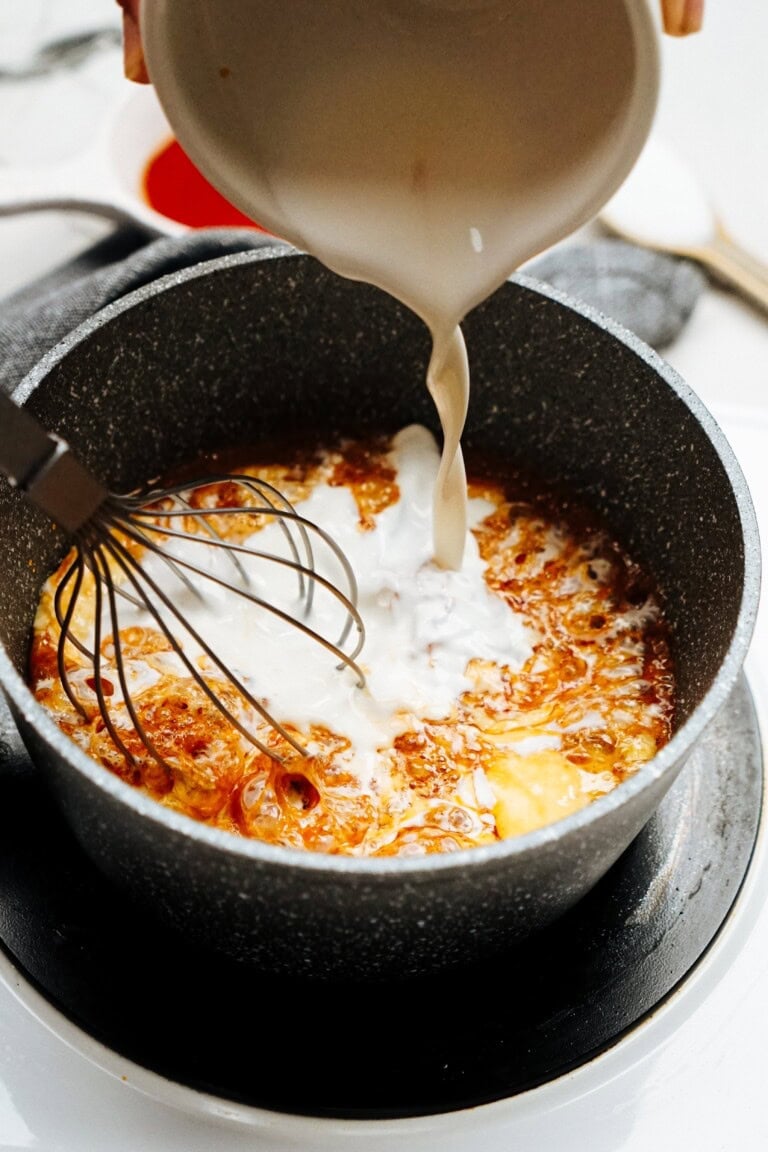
pixel 669 760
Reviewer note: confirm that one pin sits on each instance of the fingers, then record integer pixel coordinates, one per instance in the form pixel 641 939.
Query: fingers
pixel 682 17
pixel 134 65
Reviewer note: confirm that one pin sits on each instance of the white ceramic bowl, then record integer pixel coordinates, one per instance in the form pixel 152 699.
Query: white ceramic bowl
pixel 106 178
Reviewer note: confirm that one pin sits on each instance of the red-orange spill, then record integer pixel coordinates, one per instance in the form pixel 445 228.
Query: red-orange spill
pixel 175 188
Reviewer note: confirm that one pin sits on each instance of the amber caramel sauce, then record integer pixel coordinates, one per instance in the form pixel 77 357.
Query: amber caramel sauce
pixel 592 703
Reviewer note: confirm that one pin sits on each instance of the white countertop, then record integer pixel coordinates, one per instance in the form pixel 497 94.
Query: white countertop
pixel 694 1075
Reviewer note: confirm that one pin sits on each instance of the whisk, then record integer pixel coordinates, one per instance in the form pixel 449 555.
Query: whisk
pixel 112 533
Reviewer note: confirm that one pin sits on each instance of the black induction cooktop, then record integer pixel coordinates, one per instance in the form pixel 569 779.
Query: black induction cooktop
pixel 422 1046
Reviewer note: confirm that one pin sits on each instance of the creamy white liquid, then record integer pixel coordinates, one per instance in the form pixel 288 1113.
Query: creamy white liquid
pixel 428 147
pixel 423 623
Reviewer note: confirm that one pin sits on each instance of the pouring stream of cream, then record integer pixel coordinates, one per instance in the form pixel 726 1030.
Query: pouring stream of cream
pixel 427 147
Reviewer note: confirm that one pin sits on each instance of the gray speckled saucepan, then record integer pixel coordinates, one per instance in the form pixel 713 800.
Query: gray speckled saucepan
pixel 231 352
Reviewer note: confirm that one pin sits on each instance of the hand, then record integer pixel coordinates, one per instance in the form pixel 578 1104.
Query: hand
pixel 679 17
pixel 134 64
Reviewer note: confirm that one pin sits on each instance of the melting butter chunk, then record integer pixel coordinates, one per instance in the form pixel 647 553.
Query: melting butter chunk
pixel 533 790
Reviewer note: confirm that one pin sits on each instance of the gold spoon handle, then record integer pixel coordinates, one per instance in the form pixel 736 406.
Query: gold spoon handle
pixel 735 267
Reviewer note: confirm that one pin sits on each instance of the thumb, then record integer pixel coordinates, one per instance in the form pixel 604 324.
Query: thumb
pixel 134 65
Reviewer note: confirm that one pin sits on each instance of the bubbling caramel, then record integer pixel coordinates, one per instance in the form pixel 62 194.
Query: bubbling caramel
pixel 498 699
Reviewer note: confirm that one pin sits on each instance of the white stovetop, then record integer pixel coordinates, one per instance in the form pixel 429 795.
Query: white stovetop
pixel 694 1075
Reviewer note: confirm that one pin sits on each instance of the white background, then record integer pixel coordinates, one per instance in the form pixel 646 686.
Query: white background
pixel 695 1075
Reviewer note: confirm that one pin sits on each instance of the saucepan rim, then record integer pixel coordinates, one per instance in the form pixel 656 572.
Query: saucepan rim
pixel 672 755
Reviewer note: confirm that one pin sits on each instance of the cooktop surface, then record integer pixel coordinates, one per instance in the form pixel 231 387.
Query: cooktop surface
pixel 438 1044
pixel 634 1022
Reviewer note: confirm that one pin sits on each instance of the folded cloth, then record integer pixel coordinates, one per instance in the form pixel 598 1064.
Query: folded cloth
pixel 35 318
pixel 651 294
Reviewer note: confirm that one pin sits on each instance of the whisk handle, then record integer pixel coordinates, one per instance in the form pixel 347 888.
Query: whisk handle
pixel 24 444
pixel 42 466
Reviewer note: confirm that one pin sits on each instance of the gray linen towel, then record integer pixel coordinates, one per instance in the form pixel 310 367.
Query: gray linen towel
pixel 650 293
pixel 33 320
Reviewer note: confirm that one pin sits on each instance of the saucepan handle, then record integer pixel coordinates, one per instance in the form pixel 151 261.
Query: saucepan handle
pixel 63 187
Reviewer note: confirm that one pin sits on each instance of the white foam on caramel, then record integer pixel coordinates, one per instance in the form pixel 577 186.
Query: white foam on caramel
pixel 423 623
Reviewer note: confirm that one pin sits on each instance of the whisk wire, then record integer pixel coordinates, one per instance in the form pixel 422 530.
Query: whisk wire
pixel 103 525
pixel 86 557
pixel 274 502
pixel 76 572
pixel 352 615
pixel 275 505
pixel 132 569
pixel 101 568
